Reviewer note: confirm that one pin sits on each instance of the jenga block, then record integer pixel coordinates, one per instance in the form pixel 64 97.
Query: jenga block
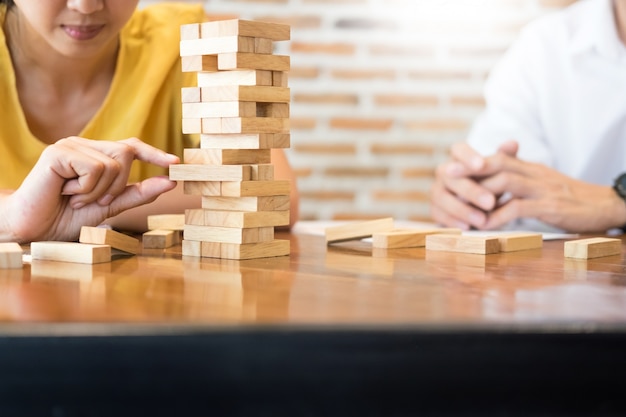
pixel 465 244
pixel 245 141
pixel 190 95
pixel 224 234
pixel 213 249
pixel 357 230
pixel 245 125
pixel 10 255
pixel 407 238
pixel 192 248
pixel 263 46
pixel 102 236
pixel 166 222
pixel 214 46
pixel 243 60
pixel 226 156
pixel 190 31
pixel 191 126
pixel 262 172
pixel 255 188
pixel 596 247
pixel 269 203
pixel 254 93
pixel 83 253
pixel 240 27
pixel 269 249
pixel 160 239
pixel 511 242
pixel 198 63
pixel 237 219
pixel 219 109
pixel 276 110
pixel 243 77
pixel 280 78
pixel 205 188
pixel 201 172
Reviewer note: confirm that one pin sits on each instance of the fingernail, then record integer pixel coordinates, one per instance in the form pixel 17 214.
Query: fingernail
pixel 486 201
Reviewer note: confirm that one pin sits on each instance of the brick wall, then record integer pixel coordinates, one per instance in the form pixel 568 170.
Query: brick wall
pixel 381 89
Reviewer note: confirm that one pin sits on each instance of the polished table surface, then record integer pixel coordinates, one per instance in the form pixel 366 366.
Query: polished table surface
pixel 522 333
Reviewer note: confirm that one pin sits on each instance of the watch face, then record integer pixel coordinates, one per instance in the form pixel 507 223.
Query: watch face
pixel 620 185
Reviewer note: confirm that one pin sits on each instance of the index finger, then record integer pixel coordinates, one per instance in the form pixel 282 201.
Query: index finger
pixel 150 154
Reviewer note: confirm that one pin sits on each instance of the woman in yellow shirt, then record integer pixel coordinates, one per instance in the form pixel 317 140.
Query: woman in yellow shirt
pixel 102 70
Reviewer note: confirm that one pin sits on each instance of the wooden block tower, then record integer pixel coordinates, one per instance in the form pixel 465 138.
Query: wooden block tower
pixel 240 108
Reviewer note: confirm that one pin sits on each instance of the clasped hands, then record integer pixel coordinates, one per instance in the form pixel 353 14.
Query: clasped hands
pixel 485 193
pixel 80 182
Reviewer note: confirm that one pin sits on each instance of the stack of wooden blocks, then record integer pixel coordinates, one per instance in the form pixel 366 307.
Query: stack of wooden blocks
pixel 240 108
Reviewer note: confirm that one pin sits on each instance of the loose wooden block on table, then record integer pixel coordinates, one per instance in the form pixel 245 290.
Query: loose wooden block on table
pixel 592 248
pixel 227 156
pixel 244 141
pixel 357 230
pixel 483 245
pixel 160 239
pixel 102 236
pixel 11 255
pixel 407 238
pixel 166 222
pixel 511 242
pixel 71 252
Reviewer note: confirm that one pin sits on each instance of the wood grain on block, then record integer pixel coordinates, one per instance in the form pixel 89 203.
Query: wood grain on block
pixel 483 245
pixel 274 110
pixel 595 247
pixel 206 188
pixel 160 239
pixel 219 109
pixel 357 230
pixel 202 172
pixel 242 77
pixel 407 238
pixel 102 236
pixel 269 249
pixel 511 242
pixel 166 222
pixel 190 31
pixel 280 78
pixel 198 63
pixel 251 61
pixel 269 203
pixel 262 172
pixel 190 94
pixel 245 93
pixel 10 255
pixel 255 188
pixel 217 45
pixel 83 253
pixel 263 46
pixel 226 156
pixel 241 27
pixel 225 234
pixel 237 219
pixel 192 248
pixel 192 126
pixel 244 125
pixel 244 141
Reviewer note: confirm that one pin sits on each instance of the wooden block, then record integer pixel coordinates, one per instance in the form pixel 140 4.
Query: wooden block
pixel 592 248
pixel 198 63
pixel 511 242
pixel 244 60
pixel 254 93
pixel 190 94
pixel 262 172
pixel 407 238
pixel 166 222
pixel 10 255
pixel 255 188
pixel 160 239
pixel 241 27
pixel 225 234
pixel 218 45
pixel 263 46
pixel 245 125
pixel 245 141
pixel 205 188
pixel 269 249
pixel 482 245
pixel 243 77
pixel 102 236
pixel 201 172
pixel 269 203
pixel 226 156
pixel 212 249
pixel 193 126
pixel 190 31
pixel 237 219
pixel 357 230
pixel 276 110
pixel 83 253
pixel 280 78
pixel 192 248
pixel 219 109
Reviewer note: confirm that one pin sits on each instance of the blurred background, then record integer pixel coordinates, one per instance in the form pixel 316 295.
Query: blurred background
pixel 380 89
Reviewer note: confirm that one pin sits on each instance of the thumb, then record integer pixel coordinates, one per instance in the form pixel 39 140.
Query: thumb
pixel 140 193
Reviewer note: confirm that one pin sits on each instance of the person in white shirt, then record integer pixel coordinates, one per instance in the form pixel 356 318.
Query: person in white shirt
pixel 546 152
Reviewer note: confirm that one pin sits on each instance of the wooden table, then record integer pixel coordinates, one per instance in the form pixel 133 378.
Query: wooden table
pixel 340 330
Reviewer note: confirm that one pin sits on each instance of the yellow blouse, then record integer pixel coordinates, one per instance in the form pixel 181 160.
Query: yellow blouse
pixel 144 99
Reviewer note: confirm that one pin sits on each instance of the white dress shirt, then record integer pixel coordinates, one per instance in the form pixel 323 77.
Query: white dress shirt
pixel 560 90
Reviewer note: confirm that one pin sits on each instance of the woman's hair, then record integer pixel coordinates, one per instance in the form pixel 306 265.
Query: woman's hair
pixel 9 3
